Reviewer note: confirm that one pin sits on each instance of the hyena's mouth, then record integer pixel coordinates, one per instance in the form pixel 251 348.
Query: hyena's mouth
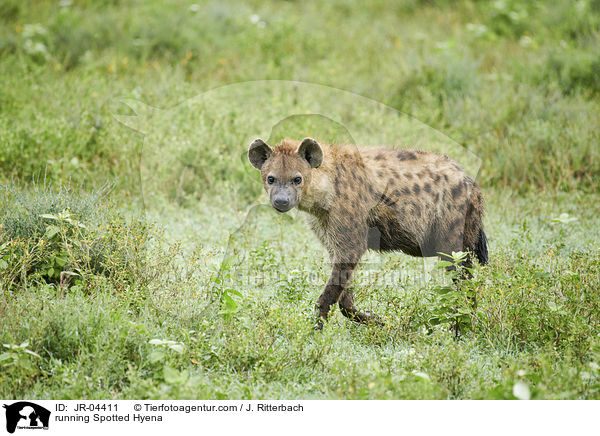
pixel 282 203
pixel 283 209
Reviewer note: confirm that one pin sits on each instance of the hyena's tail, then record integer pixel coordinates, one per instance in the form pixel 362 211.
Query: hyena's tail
pixel 481 249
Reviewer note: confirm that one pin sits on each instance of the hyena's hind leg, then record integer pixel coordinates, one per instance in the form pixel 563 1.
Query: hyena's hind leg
pixel 466 234
pixel 474 239
pixel 475 249
pixel 350 311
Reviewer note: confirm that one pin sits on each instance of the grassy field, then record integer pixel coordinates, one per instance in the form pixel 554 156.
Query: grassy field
pixel 138 258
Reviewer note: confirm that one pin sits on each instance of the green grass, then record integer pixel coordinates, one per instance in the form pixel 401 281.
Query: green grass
pixel 153 292
pixel 537 318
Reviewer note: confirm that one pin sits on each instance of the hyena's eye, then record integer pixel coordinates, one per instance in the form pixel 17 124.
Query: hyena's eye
pixel 298 180
pixel 270 180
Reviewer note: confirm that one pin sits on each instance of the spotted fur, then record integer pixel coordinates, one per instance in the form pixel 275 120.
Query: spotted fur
pixel 415 201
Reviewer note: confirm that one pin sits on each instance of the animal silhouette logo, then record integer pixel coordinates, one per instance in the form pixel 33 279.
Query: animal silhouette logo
pixel 26 415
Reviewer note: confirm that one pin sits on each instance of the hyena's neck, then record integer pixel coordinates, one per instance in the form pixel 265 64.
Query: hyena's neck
pixel 319 196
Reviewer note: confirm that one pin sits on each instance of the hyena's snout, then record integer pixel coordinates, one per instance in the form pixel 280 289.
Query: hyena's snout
pixel 281 203
pixel 283 198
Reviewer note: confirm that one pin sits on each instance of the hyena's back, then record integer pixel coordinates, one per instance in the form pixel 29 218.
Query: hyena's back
pixel 420 202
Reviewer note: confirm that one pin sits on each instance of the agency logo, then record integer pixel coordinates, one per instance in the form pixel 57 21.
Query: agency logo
pixel 26 415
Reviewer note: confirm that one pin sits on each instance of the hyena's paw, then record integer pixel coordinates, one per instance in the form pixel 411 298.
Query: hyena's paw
pixel 368 317
pixel 318 325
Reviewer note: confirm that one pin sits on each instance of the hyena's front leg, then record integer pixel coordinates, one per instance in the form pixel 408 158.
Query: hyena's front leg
pixel 346 243
pixel 351 312
pixel 340 278
pixel 345 255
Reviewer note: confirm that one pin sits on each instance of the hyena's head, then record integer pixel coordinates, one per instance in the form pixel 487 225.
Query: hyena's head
pixel 285 169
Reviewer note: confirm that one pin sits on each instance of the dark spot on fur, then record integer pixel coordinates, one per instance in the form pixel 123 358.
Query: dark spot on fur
pixel 427 187
pixel 454 224
pixel 406 155
pixel 446 177
pixel 437 197
pixel 406 191
pixel 416 189
pixel 387 200
pixel 416 210
pixel 379 157
pixel 436 178
pixel 457 190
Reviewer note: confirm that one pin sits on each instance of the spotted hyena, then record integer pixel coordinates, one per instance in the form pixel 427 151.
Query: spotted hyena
pixel 416 201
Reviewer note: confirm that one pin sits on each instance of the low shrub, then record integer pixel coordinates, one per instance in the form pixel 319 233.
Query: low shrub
pixel 66 238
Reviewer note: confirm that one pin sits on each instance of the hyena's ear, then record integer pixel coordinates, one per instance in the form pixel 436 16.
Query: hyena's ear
pixel 258 153
pixel 310 150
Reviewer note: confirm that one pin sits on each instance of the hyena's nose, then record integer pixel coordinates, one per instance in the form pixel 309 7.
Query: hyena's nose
pixel 281 203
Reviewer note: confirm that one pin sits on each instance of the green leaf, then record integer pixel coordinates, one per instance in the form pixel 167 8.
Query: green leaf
pixel 195 381
pixel 521 391
pixel 234 292
pixel 172 376
pixel 553 306
pixel 177 347
pixel 69 273
pixel 156 342
pixel 422 376
pixel 544 275
pixel 229 303
pixel 49 216
pixel 24 363
pixel 60 261
pixel 157 356
pixel 33 353
pixel 51 231
pixel 444 290
pixel 3 264
pixel 564 218
pixel 443 264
